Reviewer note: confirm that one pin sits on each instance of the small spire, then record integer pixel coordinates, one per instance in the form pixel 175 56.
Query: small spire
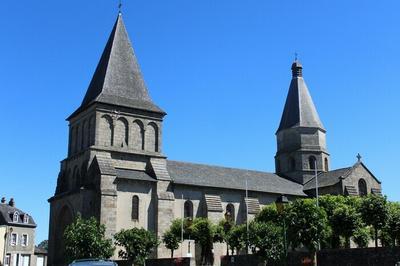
pixel 297 68
pixel 295 56
pixel 358 157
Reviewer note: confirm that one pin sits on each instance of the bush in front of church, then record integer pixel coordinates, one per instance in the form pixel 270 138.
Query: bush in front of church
pixel 85 238
pixel 137 243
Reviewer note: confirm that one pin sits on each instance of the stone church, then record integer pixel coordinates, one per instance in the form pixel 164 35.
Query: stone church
pixel 116 171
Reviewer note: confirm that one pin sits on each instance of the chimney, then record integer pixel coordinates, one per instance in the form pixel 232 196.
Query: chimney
pixel 3 200
pixel 11 202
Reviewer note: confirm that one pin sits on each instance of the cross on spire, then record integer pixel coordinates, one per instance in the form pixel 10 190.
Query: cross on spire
pixel 119 6
pixel 358 157
pixel 295 56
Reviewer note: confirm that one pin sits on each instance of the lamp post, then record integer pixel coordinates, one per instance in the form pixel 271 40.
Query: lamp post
pixel 281 203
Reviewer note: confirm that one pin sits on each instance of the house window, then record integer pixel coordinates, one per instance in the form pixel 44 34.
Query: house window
pixel 26 218
pixel 7 260
pixel 24 240
pixel 362 187
pixel 188 209
pixel 13 239
pixel 230 212
pixel 135 208
pixel 15 217
pixel 312 162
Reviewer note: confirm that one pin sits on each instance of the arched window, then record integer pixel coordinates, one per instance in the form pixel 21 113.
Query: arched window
pixel 326 165
pixel 15 217
pixel 292 164
pixel 312 162
pixel 121 132
pixel 151 138
pixel 137 135
pixel 230 212
pixel 362 187
pixel 135 208
pixel 107 131
pixel 188 209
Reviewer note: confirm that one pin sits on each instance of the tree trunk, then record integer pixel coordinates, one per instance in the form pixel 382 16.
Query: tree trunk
pixel 172 253
pixel 347 240
pixel 376 237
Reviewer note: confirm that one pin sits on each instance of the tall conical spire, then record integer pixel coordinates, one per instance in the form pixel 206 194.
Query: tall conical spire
pixel 299 108
pixel 117 79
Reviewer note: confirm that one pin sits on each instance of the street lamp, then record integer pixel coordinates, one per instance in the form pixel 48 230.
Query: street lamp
pixel 281 203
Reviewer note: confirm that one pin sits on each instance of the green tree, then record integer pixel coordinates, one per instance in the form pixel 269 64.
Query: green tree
pixel 237 238
pixel 221 232
pixel 266 240
pixel 203 234
pixel 85 238
pixel 330 203
pixel 268 213
pixel 391 231
pixel 44 244
pixel 307 224
pixel 176 228
pixel 138 244
pixel 171 241
pixel 374 211
pixel 345 220
pixel 361 236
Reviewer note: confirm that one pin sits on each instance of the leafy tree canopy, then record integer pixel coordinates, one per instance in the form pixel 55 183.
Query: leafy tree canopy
pixel 391 231
pixel 268 214
pixel 307 224
pixel 266 240
pixel 44 244
pixel 237 237
pixel 85 238
pixel 138 244
pixel 374 211
pixel 171 241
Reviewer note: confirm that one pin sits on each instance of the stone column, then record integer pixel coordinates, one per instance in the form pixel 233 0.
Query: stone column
pixel 164 214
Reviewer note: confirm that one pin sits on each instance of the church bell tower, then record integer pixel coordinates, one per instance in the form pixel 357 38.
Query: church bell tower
pixel 301 137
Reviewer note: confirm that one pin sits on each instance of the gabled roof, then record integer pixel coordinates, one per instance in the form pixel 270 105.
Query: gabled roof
pixel 326 179
pixel 299 110
pixel 231 178
pixel 6 216
pixel 117 79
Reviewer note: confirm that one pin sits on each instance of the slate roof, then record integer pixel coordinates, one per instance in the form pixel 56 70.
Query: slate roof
pixel 134 175
pixel 231 178
pixel 117 79
pixel 330 178
pixel 299 110
pixel 326 179
pixel 6 216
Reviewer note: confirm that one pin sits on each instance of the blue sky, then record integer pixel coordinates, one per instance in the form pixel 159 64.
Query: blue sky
pixel 220 69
